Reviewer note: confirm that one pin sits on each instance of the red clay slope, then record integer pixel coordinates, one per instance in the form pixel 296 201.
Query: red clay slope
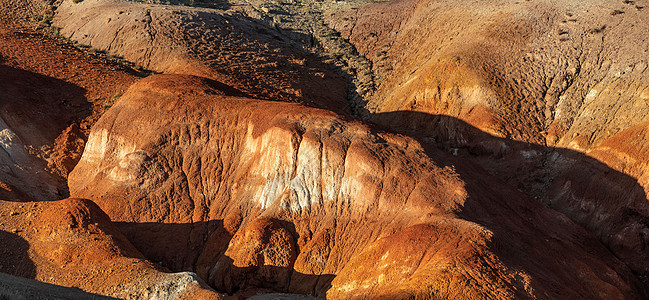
pixel 51 94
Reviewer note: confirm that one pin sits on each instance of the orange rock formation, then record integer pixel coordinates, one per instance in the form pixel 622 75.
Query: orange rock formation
pixel 304 197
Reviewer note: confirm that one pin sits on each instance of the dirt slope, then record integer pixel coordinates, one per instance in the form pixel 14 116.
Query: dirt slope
pixel 73 243
pixel 222 45
pixel 533 71
pixel 23 13
pixel 559 74
pixel 254 194
pixel 51 94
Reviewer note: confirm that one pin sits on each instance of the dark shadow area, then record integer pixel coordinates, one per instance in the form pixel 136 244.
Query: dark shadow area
pixel 512 184
pixel 253 279
pixel 20 288
pixel 216 4
pixel 226 89
pixel 36 108
pixel 174 246
pixel 14 258
pixel 199 247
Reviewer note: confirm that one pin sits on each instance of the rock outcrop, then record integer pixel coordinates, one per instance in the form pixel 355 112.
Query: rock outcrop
pixel 73 243
pixel 257 194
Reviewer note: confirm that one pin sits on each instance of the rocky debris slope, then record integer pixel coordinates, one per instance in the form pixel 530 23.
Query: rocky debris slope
pixel 24 13
pixel 73 243
pixel 225 45
pixel 302 25
pixel 558 74
pixel 256 194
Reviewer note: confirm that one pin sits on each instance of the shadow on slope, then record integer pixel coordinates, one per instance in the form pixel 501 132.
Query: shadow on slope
pixel 503 173
pixel 547 248
pixel 16 288
pixel 14 257
pixel 39 107
pixel 257 56
pixel 200 247
pixel 34 110
pixel 286 67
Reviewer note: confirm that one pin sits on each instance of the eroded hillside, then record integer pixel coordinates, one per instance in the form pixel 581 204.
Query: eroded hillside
pixel 504 158
pixel 51 96
pixel 72 242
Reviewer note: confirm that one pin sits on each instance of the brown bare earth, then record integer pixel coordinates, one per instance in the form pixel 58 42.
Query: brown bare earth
pixel 338 149
pixel 229 47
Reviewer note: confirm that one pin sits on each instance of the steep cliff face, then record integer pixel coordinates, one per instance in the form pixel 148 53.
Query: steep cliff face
pixel 558 74
pixel 73 243
pixel 255 194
